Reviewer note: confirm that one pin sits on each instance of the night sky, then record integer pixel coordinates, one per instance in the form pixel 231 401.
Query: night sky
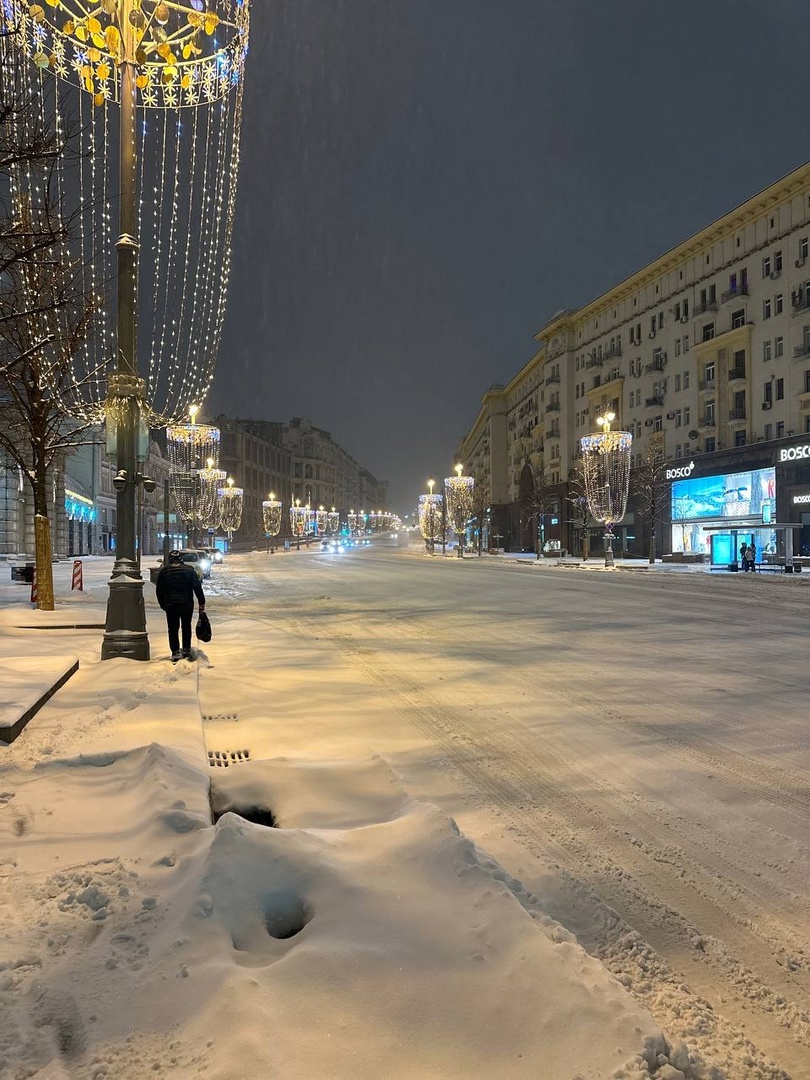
pixel 425 182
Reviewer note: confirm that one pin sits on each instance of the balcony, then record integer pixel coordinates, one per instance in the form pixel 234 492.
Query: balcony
pixel 594 361
pixel 707 384
pixel 736 414
pixel 736 373
pixel 613 350
pixel 702 309
pixel 553 406
pixel 656 399
pixel 800 300
pixel 707 421
pixel 801 350
pixel 552 380
pixel 733 294
pixel 656 365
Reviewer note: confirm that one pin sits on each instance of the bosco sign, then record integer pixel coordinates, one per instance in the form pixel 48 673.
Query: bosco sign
pixel 794 453
pixel 682 471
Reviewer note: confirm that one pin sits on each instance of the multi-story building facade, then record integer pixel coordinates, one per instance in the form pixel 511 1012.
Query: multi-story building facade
pixel 253 453
pixel 707 348
pixel 324 474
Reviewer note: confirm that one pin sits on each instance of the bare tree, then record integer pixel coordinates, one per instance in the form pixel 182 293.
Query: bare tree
pixel 542 500
pixel 45 314
pixel 649 487
pixel 480 505
pixel 577 497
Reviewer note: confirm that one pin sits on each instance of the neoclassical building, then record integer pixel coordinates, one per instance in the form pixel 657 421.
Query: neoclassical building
pixel 707 348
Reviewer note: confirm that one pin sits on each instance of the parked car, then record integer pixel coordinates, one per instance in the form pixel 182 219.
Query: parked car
pixel 198 560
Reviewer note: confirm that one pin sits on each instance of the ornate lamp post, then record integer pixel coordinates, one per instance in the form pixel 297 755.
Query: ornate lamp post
pixel 459 491
pixel 271 518
pixel 163 56
pixel 230 508
pixel 606 474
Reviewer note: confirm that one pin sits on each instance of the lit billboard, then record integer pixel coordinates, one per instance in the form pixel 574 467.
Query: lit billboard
pixel 726 497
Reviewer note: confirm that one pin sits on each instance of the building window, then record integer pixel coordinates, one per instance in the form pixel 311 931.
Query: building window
pixel 739 438
pixel 677 346
pixel 807 382
pixel 737 318
pixel 780 389
pixel 678 418
pixel 709 414
pixel 686 416
pixel 708 373
pixel 660 316
pixel 686 380
pixel 710 444
pixel 778 346
pixel 777 262
pixel 803 248
pixel 767 392
pixel 766 266
pixel 686 343
pixel 766 350
pixel 678 381
pixel 778 304
pixel 678 450
pixel 768 432
pixel 780 429
pixel 766 309
pixel 807 425
pixel 708 331
pixel 658 423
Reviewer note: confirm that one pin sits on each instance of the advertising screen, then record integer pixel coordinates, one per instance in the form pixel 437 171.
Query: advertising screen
pixel 727 497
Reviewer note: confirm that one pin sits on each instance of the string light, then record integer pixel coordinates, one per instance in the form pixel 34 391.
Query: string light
pixel 189 60
pixel 231 500
pixel 459 491
pixel 430 516
pixel 271 515
pixel 606 475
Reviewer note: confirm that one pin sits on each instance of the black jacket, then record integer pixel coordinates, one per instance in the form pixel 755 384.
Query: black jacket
pixel 177 585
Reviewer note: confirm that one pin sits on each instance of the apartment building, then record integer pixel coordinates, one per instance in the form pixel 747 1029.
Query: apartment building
pixel 707 348
pixel 324 474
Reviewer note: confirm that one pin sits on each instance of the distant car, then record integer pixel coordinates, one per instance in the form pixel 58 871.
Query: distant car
pixel 333 545
pixel 215 554
pixel 197 560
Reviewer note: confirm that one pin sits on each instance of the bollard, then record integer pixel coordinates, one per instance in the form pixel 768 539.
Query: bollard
pixel 77 581
pixel 34 587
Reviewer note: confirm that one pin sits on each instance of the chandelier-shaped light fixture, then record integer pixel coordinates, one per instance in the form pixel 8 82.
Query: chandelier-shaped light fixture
pixel 187 59
pixel 459 494
pixel 231 500
pixel 351 521
pixel 271 515
pixel 320 516
pixel 333 520
pixel 606 475
pixel 209 481
pixel 191 446
pixel 298 517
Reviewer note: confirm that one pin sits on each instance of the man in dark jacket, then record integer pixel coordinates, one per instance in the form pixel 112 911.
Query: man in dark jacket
pixel 176 586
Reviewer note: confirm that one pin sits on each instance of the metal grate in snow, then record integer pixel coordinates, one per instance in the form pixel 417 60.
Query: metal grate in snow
pixel 223 758
pixel 220 716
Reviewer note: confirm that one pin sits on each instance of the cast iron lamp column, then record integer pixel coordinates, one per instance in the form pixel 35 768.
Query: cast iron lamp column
pixel 125 629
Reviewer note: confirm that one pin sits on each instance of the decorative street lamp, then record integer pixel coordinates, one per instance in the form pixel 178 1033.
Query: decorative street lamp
pixel 431 516
pixel 189 445
pixel 459 490
pixel 137 64
pixel 333 520
pixel 320 519
pixel 606 474
pixel 231 500
pixel 271 518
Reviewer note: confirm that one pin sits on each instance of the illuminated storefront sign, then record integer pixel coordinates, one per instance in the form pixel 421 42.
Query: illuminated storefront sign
pixel 79 508
pixel 680 472
pixel 795 453
pixel 800 500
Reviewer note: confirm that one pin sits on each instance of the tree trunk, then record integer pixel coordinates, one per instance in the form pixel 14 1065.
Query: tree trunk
pixel 44 565
pixel 652 546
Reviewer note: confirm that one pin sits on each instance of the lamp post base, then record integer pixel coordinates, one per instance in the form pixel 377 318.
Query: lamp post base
pixel 125 631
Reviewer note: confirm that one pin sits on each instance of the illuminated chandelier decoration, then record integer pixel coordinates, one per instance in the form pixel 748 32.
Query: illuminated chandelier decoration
pixel 320 517
pixel 231 500
pixel 333 520
pixel 351 521
pixel 459 495
pixel 430 517
pixel 606 474
pixel 188 61
pixel 298 517
pixel 271 516
pixel 189 446
pixel 209 481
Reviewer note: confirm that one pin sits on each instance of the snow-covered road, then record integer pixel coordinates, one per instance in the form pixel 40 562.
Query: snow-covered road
pixel 633 746
pixel 628 751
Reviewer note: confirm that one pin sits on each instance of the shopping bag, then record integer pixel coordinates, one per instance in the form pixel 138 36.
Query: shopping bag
pixel 203 628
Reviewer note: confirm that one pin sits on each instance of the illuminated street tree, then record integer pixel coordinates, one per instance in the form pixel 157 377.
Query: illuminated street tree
pixel 458 491
pixel 606 470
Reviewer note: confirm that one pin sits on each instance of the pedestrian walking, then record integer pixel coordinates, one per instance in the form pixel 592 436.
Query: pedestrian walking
pixel 743 549
pixel 176 586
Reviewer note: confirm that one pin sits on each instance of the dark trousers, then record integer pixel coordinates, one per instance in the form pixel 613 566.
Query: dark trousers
pixel 178 615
